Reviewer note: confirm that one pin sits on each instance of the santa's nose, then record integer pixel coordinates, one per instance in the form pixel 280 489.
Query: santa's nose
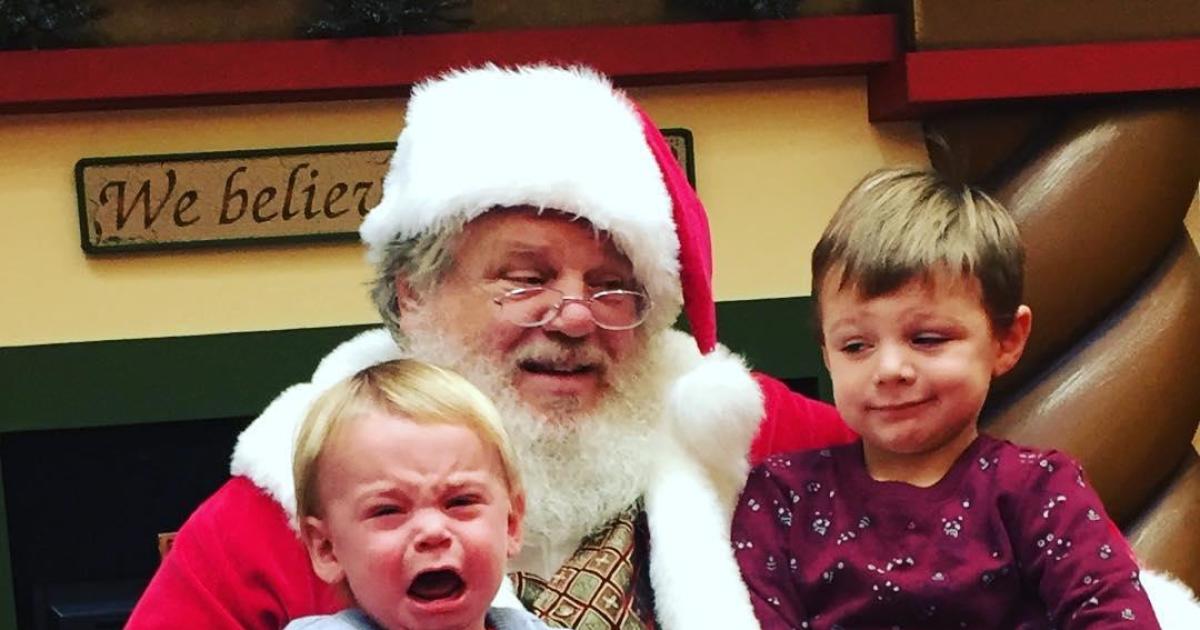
pixel 573 317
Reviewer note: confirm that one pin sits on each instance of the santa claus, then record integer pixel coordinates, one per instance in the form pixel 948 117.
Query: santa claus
pixel 537 235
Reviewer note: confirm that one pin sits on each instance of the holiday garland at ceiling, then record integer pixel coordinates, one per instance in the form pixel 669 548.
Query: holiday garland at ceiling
pixel 742 9
pixel 45 23
pixel 26 24
pixel 365 18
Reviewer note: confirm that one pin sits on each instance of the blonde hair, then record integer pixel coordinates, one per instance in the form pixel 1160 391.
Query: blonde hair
pixel 406 388
pixel 900 224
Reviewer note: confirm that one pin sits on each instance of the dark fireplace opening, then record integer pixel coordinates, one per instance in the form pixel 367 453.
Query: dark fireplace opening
pixel 85 507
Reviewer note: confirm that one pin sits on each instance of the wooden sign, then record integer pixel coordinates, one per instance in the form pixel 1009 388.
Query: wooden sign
pixel 164 201
pixel 198 199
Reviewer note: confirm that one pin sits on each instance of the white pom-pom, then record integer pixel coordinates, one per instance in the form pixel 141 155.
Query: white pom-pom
pixel 716 408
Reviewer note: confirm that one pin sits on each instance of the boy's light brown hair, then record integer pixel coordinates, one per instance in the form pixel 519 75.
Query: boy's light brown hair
pixel 405 388
pixel 900 224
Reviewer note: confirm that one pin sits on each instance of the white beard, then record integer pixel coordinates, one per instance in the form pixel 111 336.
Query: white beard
pixel 580 467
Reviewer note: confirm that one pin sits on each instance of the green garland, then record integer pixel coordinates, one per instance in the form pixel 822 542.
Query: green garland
pixel 742 9
pixel 26 24
pixel 45 23
pixel 365 18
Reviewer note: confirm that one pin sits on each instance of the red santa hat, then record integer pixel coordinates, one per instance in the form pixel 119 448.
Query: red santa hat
pixel 551 138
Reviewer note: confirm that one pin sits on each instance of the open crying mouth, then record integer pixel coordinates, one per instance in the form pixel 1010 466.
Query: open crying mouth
pixel 434 585
pixel 557 369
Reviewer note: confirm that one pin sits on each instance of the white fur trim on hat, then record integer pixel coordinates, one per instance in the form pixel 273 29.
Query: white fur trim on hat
pixel 541 136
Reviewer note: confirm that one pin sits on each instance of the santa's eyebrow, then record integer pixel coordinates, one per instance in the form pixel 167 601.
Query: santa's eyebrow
pixel 521 251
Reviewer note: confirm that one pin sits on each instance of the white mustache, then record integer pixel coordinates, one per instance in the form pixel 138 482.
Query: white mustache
pixel 550 352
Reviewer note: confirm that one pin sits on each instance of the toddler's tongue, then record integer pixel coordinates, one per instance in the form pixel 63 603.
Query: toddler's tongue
pixel 432 585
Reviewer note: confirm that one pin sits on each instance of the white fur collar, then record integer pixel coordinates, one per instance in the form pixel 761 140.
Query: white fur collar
pixel 263 452
pixel 712 413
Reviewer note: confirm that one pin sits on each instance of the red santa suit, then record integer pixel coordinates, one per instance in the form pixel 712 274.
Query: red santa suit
pixel 544 137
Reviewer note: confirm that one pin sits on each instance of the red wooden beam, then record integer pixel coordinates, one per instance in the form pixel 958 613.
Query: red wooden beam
pixel 266 71
pixel 925 82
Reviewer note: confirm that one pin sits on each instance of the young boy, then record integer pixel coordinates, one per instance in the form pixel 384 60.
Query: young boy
pixel 925 523
pixel 408 498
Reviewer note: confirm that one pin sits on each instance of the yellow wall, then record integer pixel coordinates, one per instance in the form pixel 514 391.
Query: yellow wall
pixel 773 159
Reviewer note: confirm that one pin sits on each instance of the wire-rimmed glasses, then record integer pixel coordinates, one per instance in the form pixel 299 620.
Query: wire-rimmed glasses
pixel 617 309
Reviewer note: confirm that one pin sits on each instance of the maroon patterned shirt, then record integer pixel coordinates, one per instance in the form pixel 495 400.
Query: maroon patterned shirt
pixel 1011 537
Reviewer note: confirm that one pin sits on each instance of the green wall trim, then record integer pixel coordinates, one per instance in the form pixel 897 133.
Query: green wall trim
pixel 101 383
pixel 775 335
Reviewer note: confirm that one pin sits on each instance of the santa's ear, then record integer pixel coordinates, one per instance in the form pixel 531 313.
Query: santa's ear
pixel 314 532
pixel 406 297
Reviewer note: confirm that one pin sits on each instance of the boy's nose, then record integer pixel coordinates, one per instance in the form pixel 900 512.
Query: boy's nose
pixel 893 366
pixel 432 533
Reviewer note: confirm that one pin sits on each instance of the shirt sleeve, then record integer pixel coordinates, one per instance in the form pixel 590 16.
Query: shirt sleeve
pixel 1068 547
pixel 760 544
pixel 794 422
pixel 235 563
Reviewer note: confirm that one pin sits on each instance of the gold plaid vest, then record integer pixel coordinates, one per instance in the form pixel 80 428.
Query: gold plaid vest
pixel 604 585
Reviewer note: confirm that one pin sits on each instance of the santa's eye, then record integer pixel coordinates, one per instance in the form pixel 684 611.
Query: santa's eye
pixel 612 284
pixel 525 279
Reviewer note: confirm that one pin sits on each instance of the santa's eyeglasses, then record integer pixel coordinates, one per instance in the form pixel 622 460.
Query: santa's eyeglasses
pixel 617 309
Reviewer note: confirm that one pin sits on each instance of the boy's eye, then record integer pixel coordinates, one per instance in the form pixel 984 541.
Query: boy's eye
pixel 929 340
pixel 854 347
pixel 464 500
pixel 384 509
